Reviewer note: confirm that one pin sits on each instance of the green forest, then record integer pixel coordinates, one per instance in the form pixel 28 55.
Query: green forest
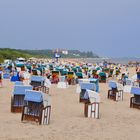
pixel 7 53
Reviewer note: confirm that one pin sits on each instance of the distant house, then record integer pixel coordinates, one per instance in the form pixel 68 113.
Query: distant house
pixel 65 52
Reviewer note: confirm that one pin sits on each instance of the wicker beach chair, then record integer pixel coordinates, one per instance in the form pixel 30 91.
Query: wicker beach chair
pixel 37 81
pixel 96 82
pixel 102 77
pixel 91 108
pixel 116 91
pixel 34 108
pixel 79 75
pixel 84 87
pixel 55 77
pixel 17 99
pixel 135 100
pixel 128 85
pixel 71 78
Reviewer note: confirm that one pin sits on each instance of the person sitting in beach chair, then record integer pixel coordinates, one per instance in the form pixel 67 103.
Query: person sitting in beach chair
pixel 17 99
pixel 116 91
pixel 135 100
pixel 71 78
pixel 91 108
pixel 55 77
pixel 84 87
pixel 37 108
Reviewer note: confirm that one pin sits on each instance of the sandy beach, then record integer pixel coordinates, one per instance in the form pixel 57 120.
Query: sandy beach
pixel 117 120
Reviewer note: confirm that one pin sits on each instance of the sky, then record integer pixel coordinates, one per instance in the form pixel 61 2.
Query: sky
pixel 109 28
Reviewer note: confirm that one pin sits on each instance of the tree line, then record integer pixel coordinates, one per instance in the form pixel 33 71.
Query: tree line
pixel 7 53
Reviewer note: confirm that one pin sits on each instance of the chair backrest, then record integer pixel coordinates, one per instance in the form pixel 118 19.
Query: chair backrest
pixel 93 96
pixel 90 86
pixel 37 78
pixel 93 80
pixel 135 90
pixel 80 74
pixel 21 89
pixel 102 74
pixel 33 96
pixel 55 72
pixel 70 74
pixel 64 72
pixel 83 81
pixel 112 84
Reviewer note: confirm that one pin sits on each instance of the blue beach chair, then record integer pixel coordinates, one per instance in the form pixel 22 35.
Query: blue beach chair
pixel 17 99
pixel 34 109
pixel 84 87
pixel 37 81
pixel 114 92
pixel 135 100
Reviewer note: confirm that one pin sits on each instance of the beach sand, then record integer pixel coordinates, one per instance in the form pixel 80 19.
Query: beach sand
pixel 117 120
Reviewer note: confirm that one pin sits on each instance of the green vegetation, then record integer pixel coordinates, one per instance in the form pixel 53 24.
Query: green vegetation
pixel 6 53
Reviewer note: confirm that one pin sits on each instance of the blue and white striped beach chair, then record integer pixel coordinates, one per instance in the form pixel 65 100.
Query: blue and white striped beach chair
pixel 84 87
pixel 34 109
pixel 17 99
pixel 91 108
pixel 115 91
